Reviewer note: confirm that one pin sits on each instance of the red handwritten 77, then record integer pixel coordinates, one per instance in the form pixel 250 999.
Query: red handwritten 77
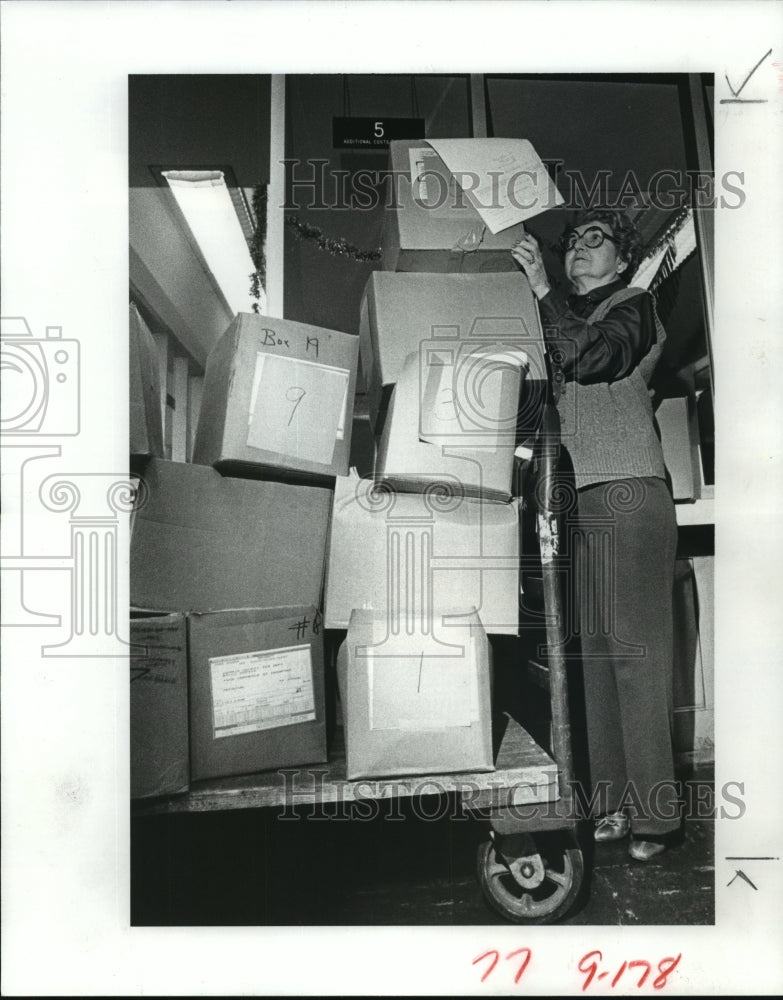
pixel 495 956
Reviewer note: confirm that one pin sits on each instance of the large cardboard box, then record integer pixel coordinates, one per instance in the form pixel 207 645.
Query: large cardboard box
pixel 409 555
pixel 145 421
pixel 201 541
pixel 414 704
pixel 404 313
pixel 453 421
pixel 159 755
pixel 278 398
pixel 430 224
pixel 678 424
pixel 256 690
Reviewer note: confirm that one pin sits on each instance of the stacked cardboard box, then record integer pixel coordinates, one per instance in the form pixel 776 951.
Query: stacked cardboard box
pixel 423 558
pixel 415 704
pixel 446 317
pixel 145 414
pixel 256 690
pixel 159 762
pixel 678 424
pixel 205 542
pixel 278 400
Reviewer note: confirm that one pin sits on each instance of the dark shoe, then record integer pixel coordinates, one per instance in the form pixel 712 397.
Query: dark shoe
pixel 613 826
pixel 645 850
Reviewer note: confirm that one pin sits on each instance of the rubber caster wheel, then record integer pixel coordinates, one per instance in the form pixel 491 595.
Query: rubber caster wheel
pixel 537 889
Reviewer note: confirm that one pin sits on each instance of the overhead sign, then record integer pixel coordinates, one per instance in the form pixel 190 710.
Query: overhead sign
pixel 374 133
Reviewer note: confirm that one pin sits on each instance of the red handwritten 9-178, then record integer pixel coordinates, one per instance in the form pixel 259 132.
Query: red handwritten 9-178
pixel 634 972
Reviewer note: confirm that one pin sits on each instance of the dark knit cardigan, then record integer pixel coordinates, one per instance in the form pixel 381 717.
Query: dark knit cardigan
pixel 607 427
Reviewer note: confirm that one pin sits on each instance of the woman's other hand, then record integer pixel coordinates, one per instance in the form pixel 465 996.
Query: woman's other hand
pixel 527 253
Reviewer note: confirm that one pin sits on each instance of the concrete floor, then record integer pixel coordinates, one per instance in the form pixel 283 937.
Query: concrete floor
pixel 249 867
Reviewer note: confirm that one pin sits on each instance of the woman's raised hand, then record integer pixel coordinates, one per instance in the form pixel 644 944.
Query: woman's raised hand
pixel 527 253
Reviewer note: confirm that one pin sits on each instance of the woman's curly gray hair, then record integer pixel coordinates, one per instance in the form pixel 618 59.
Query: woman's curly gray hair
pixel 628 239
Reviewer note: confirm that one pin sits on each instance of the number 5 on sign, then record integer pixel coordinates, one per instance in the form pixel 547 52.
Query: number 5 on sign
pixel 297 408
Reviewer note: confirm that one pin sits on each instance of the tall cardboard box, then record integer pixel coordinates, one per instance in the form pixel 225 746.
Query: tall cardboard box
pixel 201 541
pixel 453 421
pixel 256 690
pixel 412 704
pixel 145 422
pixel 456 313
pixel 678 424
pixel 159 755
pixel 430 224
pixel 278 399
pixel 409 555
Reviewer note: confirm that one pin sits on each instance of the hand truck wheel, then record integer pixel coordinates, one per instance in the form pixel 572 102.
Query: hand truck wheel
pixel 537 886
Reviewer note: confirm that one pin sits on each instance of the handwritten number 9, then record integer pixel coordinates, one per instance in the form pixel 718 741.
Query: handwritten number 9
pixel 590 968
pixel 294 395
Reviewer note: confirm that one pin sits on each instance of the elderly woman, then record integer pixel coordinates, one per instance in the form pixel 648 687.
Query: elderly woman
pixel 604 342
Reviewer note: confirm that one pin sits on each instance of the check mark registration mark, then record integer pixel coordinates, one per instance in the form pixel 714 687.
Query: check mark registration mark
pixel 735 98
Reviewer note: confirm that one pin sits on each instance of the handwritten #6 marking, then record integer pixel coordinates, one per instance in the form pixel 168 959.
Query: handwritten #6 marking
pixel 638 970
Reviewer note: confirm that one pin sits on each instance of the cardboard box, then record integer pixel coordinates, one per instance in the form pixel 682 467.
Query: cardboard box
pixel 278 397
pixel 256 690
pixel 159 757
pixel 145 423
pixel 455 419
pixel 404 313
pixel 678 423
pixel 201 541
pixel 430 224
pixel 411 555
pixel 412 704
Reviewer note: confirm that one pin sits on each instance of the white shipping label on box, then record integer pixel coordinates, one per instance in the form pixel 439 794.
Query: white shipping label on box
pixel 423 692
pixel 261 690
pixel 297 407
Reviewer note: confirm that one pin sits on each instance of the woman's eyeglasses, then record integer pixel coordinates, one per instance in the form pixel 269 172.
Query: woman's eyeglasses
pixel 592 238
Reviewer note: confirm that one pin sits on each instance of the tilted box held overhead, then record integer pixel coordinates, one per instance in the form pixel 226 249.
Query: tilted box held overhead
pixel 431 225
pixel 201 541
pixel 414 703
pixel 278 400
pixel 256 690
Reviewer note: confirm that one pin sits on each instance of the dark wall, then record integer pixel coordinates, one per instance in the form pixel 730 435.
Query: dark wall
pixel 199 120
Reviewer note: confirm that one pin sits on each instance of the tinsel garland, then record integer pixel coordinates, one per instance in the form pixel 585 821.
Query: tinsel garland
pixel 665 284
pixel 667 264
pixel 337 247
pixel 257 246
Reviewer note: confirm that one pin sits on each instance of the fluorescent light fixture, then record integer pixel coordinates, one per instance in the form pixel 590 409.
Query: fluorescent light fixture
pixel 205 200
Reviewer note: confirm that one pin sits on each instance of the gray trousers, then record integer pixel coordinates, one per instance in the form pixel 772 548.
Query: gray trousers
pixel 621 548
